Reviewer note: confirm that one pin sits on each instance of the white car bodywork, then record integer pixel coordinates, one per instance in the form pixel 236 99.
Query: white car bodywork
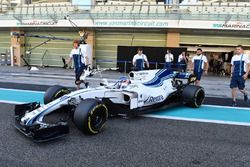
pixel 142 92
pixel 146 88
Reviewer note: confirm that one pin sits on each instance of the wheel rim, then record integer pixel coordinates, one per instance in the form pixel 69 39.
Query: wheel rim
pixel 98 118
pixel 61 93
pixel 199 97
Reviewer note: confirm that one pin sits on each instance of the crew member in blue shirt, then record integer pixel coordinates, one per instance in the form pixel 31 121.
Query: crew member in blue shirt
pixel 169 58
pixel 80 60
pixel 200 64
pixel 139 60
pixel 239 73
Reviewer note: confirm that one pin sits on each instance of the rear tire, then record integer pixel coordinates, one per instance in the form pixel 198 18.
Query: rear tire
pixel 193 96
pixel 90 116
pixel 54 93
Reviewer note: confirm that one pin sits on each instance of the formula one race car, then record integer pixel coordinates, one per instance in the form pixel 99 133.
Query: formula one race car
pixel 143 92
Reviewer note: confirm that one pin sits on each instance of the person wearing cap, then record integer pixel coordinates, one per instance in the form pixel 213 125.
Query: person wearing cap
pixel 139 60
pixel 80 63
pixel 200 64
pixel 169 58
pixel 240 67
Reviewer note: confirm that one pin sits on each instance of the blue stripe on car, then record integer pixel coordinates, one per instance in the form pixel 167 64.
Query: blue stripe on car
pixel 160 76
pixel 31 121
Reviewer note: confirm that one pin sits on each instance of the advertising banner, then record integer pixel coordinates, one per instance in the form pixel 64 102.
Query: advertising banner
pixel 131 23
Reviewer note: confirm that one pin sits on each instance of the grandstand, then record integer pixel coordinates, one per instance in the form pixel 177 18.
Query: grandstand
pixel 216 25
pixel 125 10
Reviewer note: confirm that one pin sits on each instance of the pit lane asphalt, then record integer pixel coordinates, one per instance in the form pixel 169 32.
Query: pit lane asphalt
pixel 137 141
pixel 215 86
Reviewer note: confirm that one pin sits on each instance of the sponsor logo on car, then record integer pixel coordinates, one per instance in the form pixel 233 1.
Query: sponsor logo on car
pixel 142 73
pixel 140 101
pixel 133 86
pixel 152 99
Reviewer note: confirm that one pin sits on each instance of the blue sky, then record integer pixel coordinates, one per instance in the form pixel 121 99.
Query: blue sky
pixel 81 2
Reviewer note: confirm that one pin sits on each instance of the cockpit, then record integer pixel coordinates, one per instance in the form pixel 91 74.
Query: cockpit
pixel 122 83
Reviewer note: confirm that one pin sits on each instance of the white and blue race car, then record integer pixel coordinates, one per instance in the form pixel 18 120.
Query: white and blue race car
pixel 140 93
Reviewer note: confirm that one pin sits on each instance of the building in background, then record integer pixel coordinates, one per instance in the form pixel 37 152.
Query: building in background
pixel 216 27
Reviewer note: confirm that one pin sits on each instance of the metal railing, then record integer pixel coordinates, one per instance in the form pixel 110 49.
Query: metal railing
pixel 128 66
pixel 170 12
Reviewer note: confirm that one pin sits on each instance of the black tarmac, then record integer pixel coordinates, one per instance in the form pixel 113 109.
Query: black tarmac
pixel 135 142
pixel 138 141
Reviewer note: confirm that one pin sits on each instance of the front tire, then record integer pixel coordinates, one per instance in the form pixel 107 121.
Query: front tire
pixel 90 116
pixel 54 93
pixel 193 96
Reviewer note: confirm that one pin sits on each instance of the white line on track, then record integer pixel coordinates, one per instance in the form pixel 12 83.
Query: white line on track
pixel 216 106
pixel 198 120
pixel 11 102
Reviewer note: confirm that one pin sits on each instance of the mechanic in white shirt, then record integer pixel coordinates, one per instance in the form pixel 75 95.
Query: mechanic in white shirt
pixel 200 64
pixel 169 58
pixel 139 60
pixel 80 60
pixel 239 73
pixel 182 61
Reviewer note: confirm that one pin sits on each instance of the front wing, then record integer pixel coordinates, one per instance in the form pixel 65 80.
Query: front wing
pixel 38 131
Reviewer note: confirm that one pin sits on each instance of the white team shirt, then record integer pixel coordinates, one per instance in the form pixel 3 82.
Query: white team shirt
pixel 245 58
pixel 201 57
pixel 169 57
pixel 77 51
pixel 180 58
pixel 142 56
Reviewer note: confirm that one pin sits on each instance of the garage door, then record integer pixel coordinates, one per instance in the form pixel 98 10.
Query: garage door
pixel 50 53
pixel 214 40
pixel 4 41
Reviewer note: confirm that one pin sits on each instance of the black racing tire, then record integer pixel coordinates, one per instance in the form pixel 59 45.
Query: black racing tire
pixel 90 116
pixel 193 96
pixel 54 93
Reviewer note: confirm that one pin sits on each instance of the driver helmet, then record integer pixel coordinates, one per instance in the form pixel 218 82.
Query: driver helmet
pixel 124 82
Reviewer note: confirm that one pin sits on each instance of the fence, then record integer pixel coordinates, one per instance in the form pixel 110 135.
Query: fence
pixel 212 11
pixel 126 66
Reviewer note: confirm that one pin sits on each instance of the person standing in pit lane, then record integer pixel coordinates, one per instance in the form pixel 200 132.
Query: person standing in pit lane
pixel 200 64
pixel 182 61
pixel 240 67
pixel 139 60
pixel 169 58
pixel 80 60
